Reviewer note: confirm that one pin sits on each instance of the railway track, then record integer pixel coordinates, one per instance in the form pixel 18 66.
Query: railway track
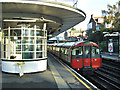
pixel 107 77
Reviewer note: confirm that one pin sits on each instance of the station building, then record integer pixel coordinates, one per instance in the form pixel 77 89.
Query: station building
pixel 24 27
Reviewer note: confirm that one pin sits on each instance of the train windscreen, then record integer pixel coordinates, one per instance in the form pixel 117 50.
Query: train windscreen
pixel 95 52
pixel 77 52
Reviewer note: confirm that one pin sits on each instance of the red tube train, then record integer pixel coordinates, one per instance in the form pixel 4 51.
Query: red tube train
pixel 81 55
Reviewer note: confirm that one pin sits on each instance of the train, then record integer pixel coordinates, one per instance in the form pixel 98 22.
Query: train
pixel 84 56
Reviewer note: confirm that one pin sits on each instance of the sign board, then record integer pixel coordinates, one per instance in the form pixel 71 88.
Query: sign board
pixel 110 47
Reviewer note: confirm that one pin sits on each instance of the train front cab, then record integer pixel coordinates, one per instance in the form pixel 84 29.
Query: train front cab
pixel 86 57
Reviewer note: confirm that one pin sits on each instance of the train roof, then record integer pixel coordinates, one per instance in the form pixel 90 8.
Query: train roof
pixel 70 44
pixel 74 44
pixel 60 44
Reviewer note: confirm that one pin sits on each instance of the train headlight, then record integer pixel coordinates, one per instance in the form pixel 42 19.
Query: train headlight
pixel 77 60
pixel 95 59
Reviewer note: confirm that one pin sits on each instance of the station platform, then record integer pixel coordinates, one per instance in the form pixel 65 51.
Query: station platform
pixel 110 56
pixel 55 77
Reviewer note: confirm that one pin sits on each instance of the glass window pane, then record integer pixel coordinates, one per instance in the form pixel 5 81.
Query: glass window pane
pixel 28 40
pixel 16 40
pixel 38 54
pixel 5 40
pixel 77 51
pixel 87 51
pixel 5 32
pixel 38 47
pixel 28 47
pixel 15 55
pixel 27 55
pixel 28 32
pixel 39 33
pixel 18 55
pixel 15 32
pixel 95 51
pixel 25 32
pixel 31 32
pixel 39 40
pixel 18 47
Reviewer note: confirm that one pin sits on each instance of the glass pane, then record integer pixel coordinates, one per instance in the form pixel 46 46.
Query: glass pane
pixel 28 32
pixel 39 33
pixel 28 40
pixel 87 51
pixel 77 51
pixel 38 47
pixel 16 40
pixel 25 32
pixel 39 40
pixel 5 32
pixel 31 32
pixel 18 47
pixel 95 51
pixel 38 54
pixel 28 47
pixel 18 55
pixel 12 48
pixel 27 55
pixel 5 40
pixel 15 32
pixel 15 55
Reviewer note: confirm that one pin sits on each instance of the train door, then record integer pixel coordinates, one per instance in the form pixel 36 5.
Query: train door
pixel 91 57
pixel 95 57
pixel 87 57
pixel 77 57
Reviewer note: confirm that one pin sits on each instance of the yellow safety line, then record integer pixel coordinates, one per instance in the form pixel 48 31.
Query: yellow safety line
pixel 74 75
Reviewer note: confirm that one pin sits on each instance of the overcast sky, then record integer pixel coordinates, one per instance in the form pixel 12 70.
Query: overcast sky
pixel 92 7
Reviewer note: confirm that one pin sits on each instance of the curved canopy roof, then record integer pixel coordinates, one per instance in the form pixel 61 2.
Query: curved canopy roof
pixel 59 17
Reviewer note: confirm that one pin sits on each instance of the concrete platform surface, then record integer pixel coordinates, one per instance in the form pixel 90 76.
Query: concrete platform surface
pixel 56 76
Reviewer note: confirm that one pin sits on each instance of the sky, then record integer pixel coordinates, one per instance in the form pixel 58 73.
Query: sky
pixel 92 7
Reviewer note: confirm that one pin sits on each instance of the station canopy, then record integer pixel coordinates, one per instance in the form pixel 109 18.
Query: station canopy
pixel 59 17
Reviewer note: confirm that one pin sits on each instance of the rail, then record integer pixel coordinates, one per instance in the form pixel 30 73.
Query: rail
pixel 106 77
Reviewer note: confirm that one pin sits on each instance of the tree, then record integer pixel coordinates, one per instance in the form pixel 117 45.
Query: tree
pixel 73 29
pixel 112 16
pixel 96 37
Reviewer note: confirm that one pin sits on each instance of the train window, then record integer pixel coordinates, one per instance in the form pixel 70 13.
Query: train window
pixel 95 51
pixel 58 49
pixel 63 50
pixel 77 51
pixel 53 48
